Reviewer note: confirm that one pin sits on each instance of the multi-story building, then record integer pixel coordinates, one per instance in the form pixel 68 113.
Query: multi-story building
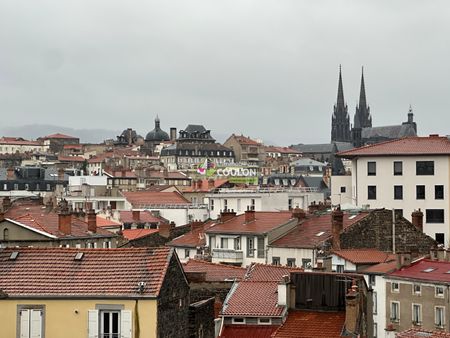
pixel 406 175
pixel 56 142
pixel 417 296
pixel 13 145
pixel 261 199
pixel 246 151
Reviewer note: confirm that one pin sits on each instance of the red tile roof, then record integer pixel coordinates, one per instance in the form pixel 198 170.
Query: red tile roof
pixel 248 331
pixel 131 234
pixel 169 175
pixel 257 272
pixel 36 217
pixel 59 135
pixel 73 146
pixel 71 158
pixel 425 270
pixel 146 198
pixel 420 333
pixel 194 238
pixel 381 268
pixel 120 173
pixel 430 145
pixel 246 140
pixel 203 185
pixel 308 324
pixel 53 272
pixel 145 216
pixel 19 141
pixel 249 298
pixel 282 150
pixel 107 223
pixel 313 230
pixel 364 256
pixel 264 222
pixel 214 272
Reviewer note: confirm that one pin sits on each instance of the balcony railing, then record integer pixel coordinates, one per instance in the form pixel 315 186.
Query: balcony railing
pixel 228 255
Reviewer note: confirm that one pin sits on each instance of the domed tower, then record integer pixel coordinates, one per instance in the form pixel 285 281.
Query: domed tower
pixel 155 137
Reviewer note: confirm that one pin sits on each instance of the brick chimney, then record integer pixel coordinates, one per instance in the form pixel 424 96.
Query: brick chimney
pixel 6 203
pixel 337 225
pixel 136 215
pixel 249 215
pixel 226 215
pixel 195 224
pixel 91 217
pixel 417 219
pixel 210 183
pixel 352 309
pixel 165 229
pixel 65 222
pixel 298 213
pixel 2 216
pixel 402 259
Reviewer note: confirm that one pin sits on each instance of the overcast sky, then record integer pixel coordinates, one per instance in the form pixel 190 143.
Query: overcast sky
pixel 268 69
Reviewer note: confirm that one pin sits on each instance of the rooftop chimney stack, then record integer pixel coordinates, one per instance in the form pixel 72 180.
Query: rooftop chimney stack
pixel 136 215
pixel 250 215
pixel 352 309
pixel 283 291
pixel 65 222
pixel 173 134
pixel 6 203
pixel 417 219
pixel 337 225
pixel 298 213
pixel 92 220
pixel 226 215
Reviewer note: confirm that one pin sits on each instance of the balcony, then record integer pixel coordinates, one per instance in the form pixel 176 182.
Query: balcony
pixel 227 255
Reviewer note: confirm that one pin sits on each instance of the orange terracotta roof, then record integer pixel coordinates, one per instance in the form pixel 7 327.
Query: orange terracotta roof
pixel 71 158
pixel 107 223
pixel 313 230
pixel 131 234
pixel 145 216
pixel 146 198
pixel 257 272
pixel 264 222
pixel 204 185
pixel 246 140
pixel 430 145
pixel 37 217
pixel 381 268
pixel 19 141
pixel 54 272
pixel 364 256
pixel 420 333
pixel 194 238
pixel 120 173
pixel 425 270
pixel 308 324
pixel 214 272
pixel 248 331
pixel 72 146
pixel 59 135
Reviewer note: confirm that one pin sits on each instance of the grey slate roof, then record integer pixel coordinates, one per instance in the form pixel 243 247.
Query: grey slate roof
pixel 388 132
pixel 323 147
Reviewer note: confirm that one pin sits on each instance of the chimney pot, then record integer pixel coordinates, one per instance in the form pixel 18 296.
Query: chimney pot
pixel 136 215
pixel 92 220
pixel 65 222
pixel 337 225
pixel 417 219
pixel 249 215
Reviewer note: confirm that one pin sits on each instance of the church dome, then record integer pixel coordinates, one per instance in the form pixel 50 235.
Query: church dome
pixel 157 134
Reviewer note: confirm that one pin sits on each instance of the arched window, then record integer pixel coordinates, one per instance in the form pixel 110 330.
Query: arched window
pixel 5 234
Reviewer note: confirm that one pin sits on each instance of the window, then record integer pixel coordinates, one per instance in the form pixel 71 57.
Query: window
pixel 343 190
pixel 289 203
pixel 31 320
pixel 439 316
pixel 186 253
pixel 290 262
pixel 372 192
pixel 417 314
pixel 106 244
pixel 306 263
pixel 374 297
pixel 250 247
pixel 398 192
pixel 371 168
pixel 375 329
pixel 5 234
pixel 237 243
pixel 225 204
pixel 398 213
pixel 276 261
pixel 435 215
pixel 261 249
pixel 425 168
pixel 109 321
pixel 224 243
pixel 395 287
pixel 417 289
pixel 439 192
pixel 420 192
pixel 340 268
pixel 264 321
pixel 439 291
pixel 439 237
pixel 395 311
pixel 398 168
pixel 238 320
pixel 372 279
pixel 252 204
pixel 211 205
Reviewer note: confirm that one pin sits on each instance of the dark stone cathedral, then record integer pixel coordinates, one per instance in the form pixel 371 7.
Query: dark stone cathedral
pixel 362 132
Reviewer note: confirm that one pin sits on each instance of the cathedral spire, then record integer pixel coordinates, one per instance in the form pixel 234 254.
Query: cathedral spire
pixel 362 93
pixel 340 121
pixel 340 97
pixel 362 119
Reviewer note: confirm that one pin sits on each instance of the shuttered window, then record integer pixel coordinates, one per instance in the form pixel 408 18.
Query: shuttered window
pixel 109 324
pixel 31 323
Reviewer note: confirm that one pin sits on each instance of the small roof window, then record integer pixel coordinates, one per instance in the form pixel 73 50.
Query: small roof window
pixel 79 256
pixel 320 233
pixel 14 255
pixel 429 270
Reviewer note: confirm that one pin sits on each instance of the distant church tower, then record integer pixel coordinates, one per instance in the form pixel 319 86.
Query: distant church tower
pixel 362 118
pixel 340 121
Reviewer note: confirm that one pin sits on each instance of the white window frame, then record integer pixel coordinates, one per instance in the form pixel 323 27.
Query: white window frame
pixel 264 321
pixel 443 317
pixel 125 320
pixel 375 305
pixel 440 294
pixel 31 321
pixel 417 292
pixel 236 320
pixel 397 318
pixel 397 289
pixel 417 320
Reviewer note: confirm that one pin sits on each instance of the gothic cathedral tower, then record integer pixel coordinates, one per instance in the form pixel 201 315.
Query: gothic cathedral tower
pixel 340 121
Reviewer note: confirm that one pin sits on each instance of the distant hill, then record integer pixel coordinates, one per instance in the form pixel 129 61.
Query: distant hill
pixel 33 131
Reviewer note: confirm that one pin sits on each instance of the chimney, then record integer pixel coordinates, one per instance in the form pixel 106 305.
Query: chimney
pixel 173 134
pixel 226 215
pixel 298 213
pixel 196 224
pixel 10 174
pixel 417 219
pixel 65 222
pixel 2 216
pixel 249 215
pixel 211 183
pixel 440 254
pixel 6 203
pixel 403 259
pixel 283 291
pixel 92 220
pixel 337 225
pixel 165 229
pixel 136 215
pixel 352 309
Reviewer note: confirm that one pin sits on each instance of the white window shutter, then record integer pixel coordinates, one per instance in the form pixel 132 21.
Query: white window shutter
pixel 36 324
pixel 125 324
pixel 93 324
pixel 25 324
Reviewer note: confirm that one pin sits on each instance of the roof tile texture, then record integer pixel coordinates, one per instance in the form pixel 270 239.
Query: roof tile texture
pixel 141 198
pixel 426 270
pixel 214 272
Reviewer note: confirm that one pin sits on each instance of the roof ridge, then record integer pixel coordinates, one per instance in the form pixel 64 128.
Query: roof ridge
pixel 215 264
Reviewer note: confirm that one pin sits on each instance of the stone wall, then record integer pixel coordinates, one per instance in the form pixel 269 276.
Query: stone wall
pixel 154 240
pixel 201 319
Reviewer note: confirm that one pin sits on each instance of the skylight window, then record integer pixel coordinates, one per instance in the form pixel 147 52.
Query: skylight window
pixel 429 270
pixel 352 216
pixel 14 255
pixel 79 256
pixel 320 233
